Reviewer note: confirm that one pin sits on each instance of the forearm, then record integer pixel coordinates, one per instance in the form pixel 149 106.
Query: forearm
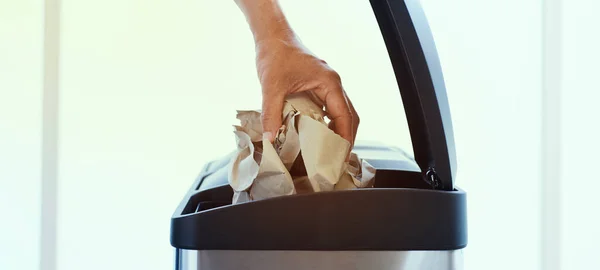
pixel 266 19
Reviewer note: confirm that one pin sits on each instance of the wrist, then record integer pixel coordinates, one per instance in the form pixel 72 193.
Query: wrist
pixel 266 20
pixel 275 34
pixel 273 45
pixel 271 25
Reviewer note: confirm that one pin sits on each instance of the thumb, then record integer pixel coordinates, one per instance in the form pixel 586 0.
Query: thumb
pixel 272 109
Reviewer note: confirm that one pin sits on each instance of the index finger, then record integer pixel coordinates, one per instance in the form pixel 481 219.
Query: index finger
pixel 339 112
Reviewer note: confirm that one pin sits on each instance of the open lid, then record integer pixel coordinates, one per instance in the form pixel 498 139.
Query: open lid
pixel 412 51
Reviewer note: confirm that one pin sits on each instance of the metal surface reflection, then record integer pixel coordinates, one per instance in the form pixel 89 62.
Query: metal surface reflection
pixel 331 260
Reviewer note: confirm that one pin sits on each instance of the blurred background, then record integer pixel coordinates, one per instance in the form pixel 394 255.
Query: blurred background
pixel 147 91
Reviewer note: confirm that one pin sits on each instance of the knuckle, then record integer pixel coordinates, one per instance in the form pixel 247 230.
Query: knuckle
pixel 332 76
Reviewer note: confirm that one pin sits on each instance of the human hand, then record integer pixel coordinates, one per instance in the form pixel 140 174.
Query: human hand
pixel 285 67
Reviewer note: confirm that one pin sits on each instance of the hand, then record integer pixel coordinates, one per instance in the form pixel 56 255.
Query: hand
pixel 285 67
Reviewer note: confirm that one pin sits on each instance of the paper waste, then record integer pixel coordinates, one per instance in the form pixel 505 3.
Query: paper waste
pixel 305 157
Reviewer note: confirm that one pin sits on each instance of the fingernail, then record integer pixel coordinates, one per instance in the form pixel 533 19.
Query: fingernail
pixel 268 136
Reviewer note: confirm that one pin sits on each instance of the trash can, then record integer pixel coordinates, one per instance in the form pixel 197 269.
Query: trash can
pixel 413 217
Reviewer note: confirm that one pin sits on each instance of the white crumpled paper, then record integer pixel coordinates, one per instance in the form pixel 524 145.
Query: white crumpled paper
pixel 305 157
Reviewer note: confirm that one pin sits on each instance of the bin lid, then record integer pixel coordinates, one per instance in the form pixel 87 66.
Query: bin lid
pixel 418 72
pixel 401 212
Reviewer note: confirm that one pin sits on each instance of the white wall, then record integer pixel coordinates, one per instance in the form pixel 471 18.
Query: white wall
pixel 581 130
pixel 149 90
pixel 20 133
pixel 490 52
pixel 137 122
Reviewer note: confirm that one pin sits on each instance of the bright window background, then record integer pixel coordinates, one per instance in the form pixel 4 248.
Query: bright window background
pixel 149 90
pixel 20 133
pixel 492 66
pixel 581 131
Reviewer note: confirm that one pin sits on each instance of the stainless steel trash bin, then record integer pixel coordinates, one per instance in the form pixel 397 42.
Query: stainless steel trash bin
pixel 413 218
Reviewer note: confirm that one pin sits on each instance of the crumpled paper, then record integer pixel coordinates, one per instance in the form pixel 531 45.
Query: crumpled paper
pixel 306 156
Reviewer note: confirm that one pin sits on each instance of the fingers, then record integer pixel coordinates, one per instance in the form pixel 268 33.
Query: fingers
pixel 355 118
pixel 338 110
pixel 272 110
